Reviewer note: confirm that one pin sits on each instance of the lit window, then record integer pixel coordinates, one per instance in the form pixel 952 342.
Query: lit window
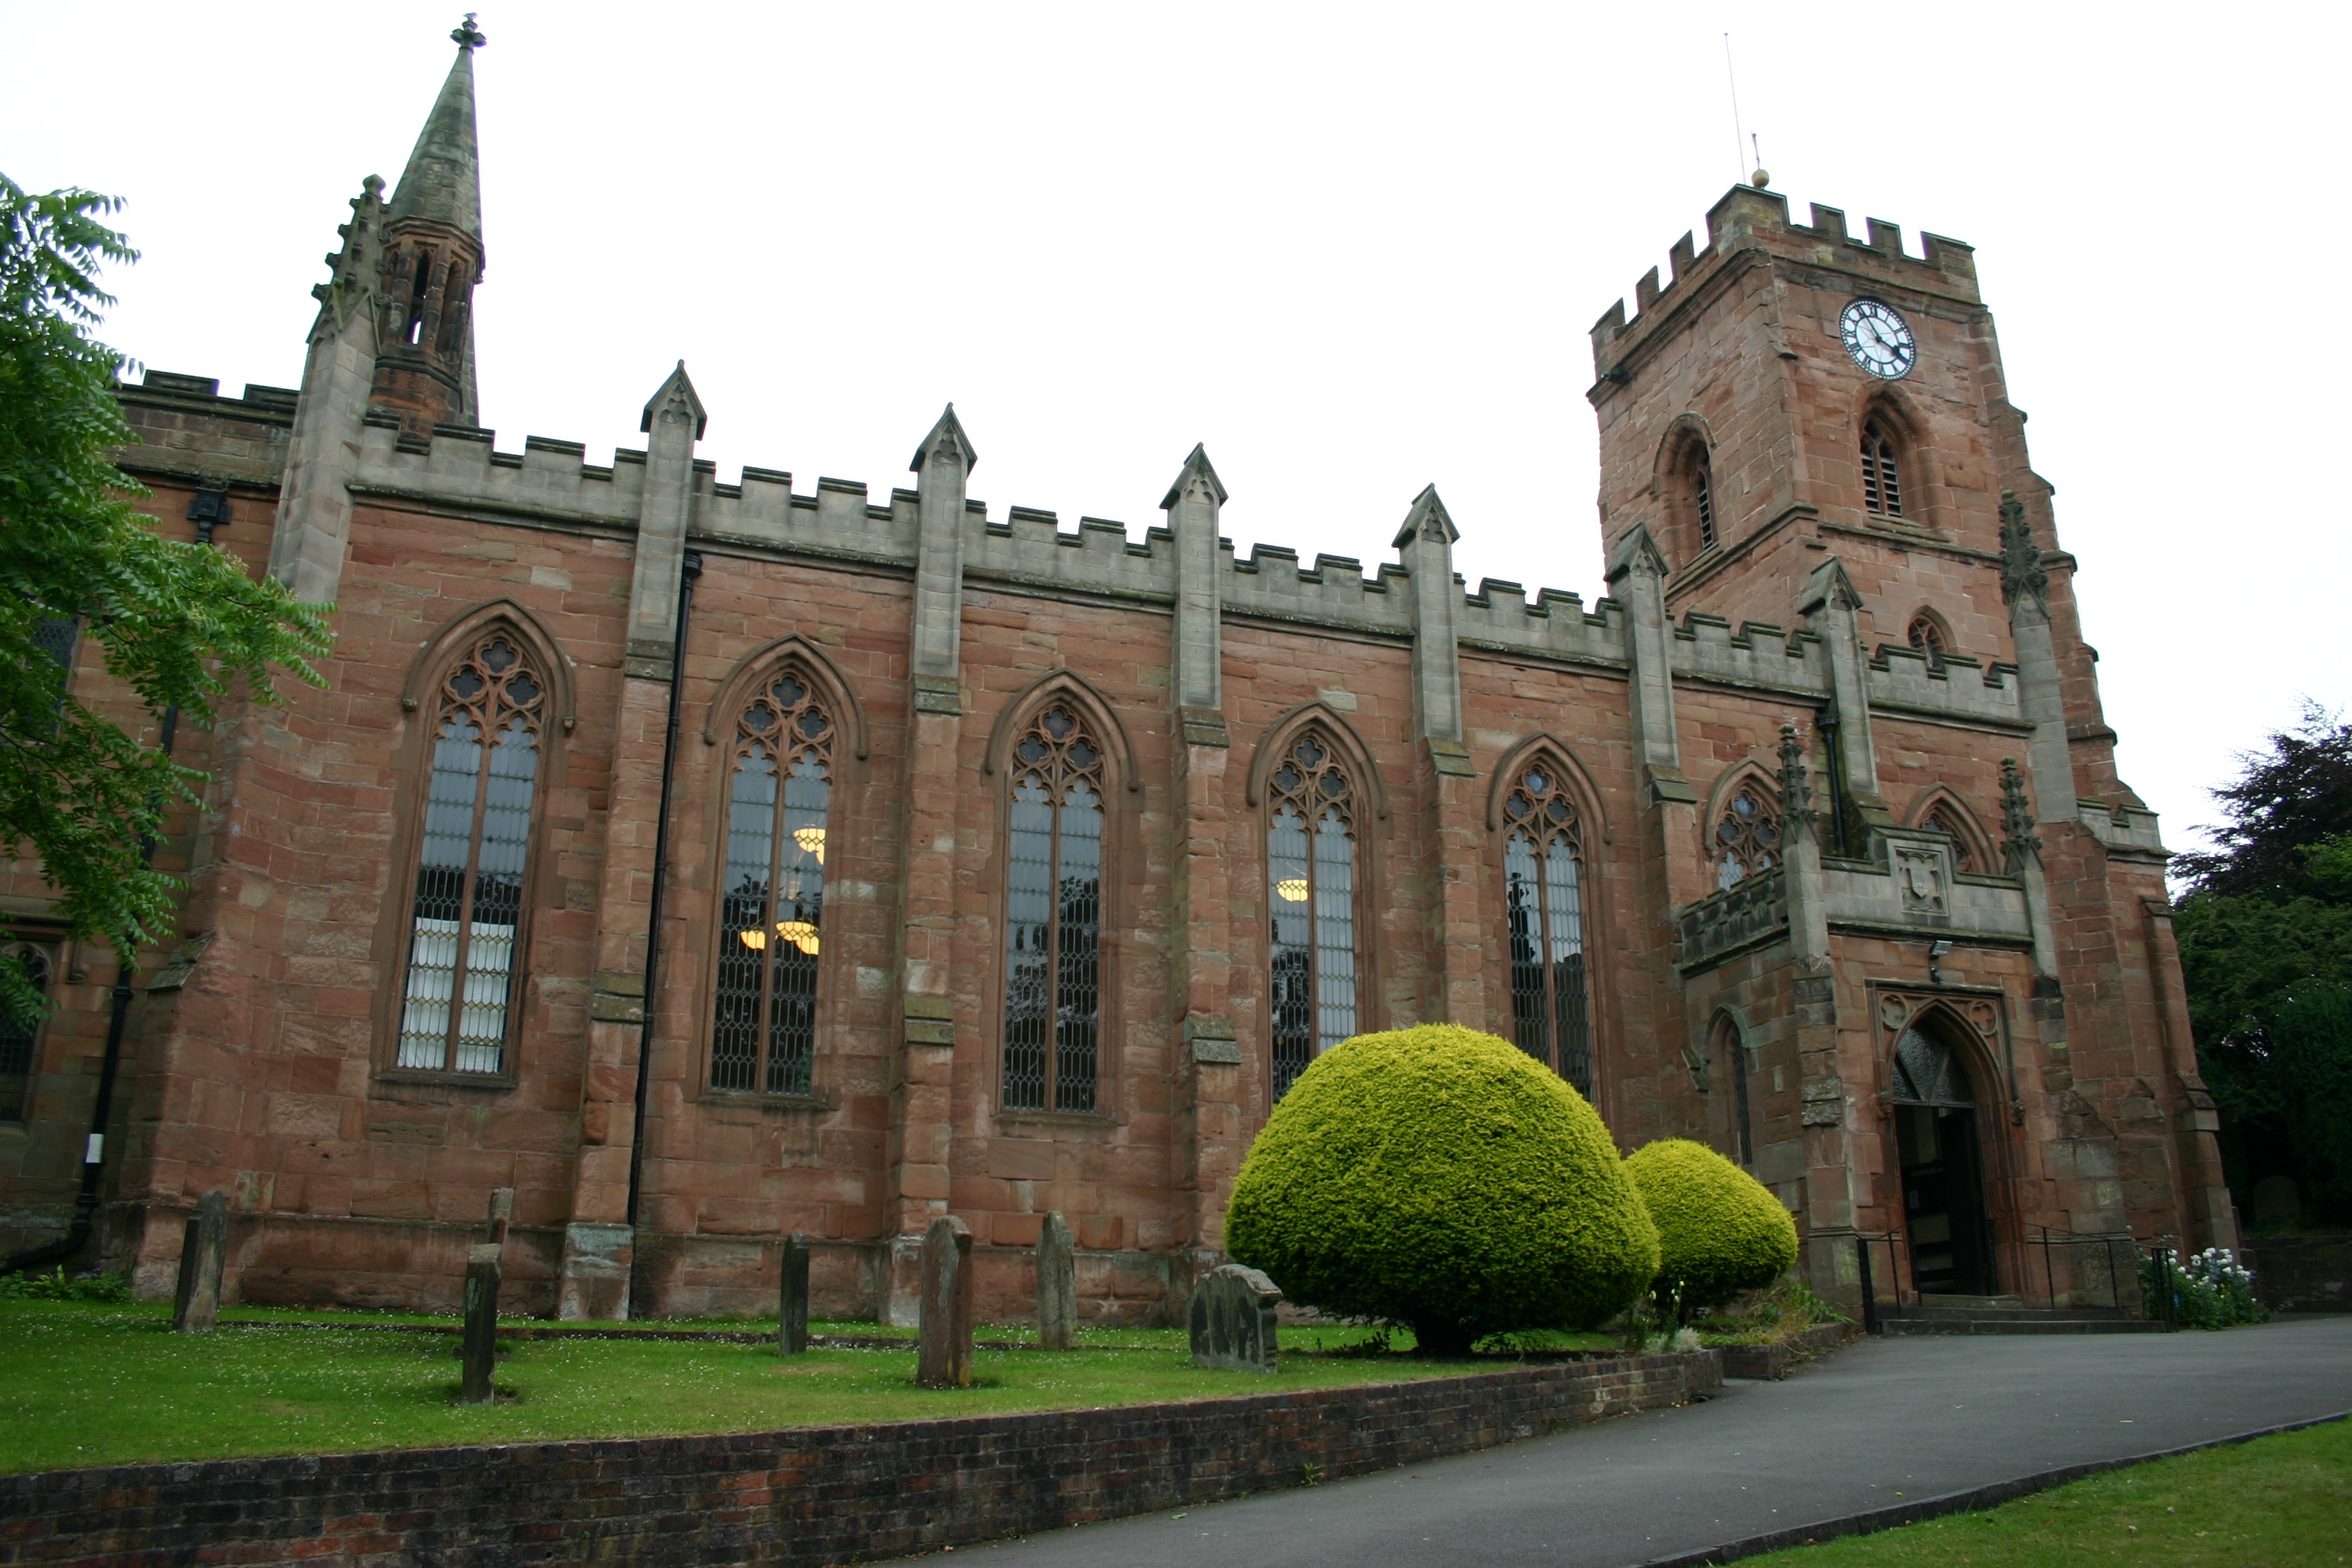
pixel 1311 874
pixel 1881 489
pixel 1053 918
pixel 771 905
pixel 468 909
pixel 1747 837
pixel 1928 641
pixel 1544 894
pixel 17 1037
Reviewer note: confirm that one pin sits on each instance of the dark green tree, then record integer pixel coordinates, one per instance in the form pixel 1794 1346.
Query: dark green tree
pixel 178 626
pixel 2265 932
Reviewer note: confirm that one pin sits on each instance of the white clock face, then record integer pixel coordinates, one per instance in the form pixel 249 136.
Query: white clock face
pixel 1879 339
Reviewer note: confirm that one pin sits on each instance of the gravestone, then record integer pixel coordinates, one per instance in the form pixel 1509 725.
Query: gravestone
pixel 792 1300
pixel 204 1254
pixel 943 1352
pixel 1234 1319
pixel 479 1347
pixel 1057 1286
pixel 501 1215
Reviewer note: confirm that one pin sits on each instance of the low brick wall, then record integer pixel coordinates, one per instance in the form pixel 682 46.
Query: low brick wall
pixel 2301 1273
pixel 1781 1358
pixel 808 1496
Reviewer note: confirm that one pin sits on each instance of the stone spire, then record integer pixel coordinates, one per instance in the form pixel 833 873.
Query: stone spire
pixel 433 258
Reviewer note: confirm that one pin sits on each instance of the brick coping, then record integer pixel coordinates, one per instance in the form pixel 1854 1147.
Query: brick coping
pixel 800 1498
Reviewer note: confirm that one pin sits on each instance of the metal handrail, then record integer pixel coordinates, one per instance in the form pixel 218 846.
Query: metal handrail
pixel 1863 1242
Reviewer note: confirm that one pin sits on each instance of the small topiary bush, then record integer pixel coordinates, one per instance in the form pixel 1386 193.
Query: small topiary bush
pixel 1442 1177
pixel 1720 1231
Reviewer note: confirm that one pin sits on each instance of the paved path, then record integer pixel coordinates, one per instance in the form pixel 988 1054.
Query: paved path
pixel 1874 1424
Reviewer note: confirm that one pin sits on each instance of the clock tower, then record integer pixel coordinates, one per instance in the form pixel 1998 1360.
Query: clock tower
pixel 1808 431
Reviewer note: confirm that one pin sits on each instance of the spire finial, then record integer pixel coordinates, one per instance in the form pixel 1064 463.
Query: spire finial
pixel 466 35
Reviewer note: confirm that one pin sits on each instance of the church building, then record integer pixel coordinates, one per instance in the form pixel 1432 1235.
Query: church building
pixel 711 858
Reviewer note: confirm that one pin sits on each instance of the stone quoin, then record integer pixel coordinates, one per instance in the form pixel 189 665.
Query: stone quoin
pixel 1009 868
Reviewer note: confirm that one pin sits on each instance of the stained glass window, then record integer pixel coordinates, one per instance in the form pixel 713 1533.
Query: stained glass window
pixel 771 903
pixel 1747 837
pixel 1053 917
pixel 466 913
pixel 17 1039
pixel 1311 874
pixel 1544 895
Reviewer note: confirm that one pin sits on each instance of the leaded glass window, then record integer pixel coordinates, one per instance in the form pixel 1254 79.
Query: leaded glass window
pixel 1311 874
pixel 1928 1073
pixel 1928 641
pixel 771 902
pixel 1053 917
pixel 1544 893
pixel 465 916
pixel 18 1039
pixel 1747 837
pixel 1940 819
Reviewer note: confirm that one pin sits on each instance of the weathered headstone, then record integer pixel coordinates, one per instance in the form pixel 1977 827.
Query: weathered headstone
pixel 204 1254
pixel 501 1215
pixel 792 1303
pixel 943 1348
pixel 479 1347
pixel 1234 1319
pixel 1057 1285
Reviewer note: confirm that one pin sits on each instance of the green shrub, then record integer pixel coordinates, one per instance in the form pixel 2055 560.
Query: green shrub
pixel 1720 1231
pixel 57 1286
pixel 1441 1177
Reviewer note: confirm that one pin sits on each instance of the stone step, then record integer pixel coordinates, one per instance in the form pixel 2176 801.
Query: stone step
pixel 1898 1324
pixel 1929 1298
pixel 1999 1313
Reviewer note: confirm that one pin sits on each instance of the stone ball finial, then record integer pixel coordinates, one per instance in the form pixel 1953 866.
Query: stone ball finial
pixel 1761 179
pixel 466 35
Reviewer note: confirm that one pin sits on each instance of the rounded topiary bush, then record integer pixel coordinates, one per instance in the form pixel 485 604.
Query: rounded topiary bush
pixel 1720 1231
pixel 1442 1177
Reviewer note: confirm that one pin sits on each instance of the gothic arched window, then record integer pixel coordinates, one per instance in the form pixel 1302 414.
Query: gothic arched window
pixel 1747 839
pixel 1882 487
pixel 771 903
pixel 1928 641
pixel 18 1039
pixel 1733 1052
pixel 1310 853
pixel 1544 893
pixel 466 918
pixel 1053 917
pixel 1941 819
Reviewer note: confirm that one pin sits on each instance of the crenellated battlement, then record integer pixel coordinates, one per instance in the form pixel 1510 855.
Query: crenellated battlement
pixel 1748 219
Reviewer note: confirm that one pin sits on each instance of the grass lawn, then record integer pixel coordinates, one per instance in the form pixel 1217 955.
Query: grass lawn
pixel 2275 1502
pixel 93 1384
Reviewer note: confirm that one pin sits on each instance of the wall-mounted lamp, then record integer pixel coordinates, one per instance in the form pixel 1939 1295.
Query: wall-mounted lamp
pixel 1936 952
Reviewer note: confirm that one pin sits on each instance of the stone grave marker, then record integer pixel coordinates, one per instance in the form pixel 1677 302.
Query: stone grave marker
pixel 943 1352
pixel 204 1254
pixel 501 1217
pixel 1234 1319
pixel 1057 1285
pixel 791 1303
pixel 479 1345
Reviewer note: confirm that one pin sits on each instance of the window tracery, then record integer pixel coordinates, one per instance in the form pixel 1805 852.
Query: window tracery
pixel 1311 881
pixel 1053 970
pixel 1544 894
pixel 771 903
pixel 1928 641
pixel 1746 839
pixel 465 915
pixel 1941 819
pixel 1882 486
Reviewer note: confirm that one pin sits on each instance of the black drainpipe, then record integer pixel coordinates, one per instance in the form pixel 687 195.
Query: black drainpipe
pixel 208 509
pixel 690 569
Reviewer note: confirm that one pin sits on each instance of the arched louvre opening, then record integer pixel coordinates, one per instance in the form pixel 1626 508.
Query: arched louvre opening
pixel 1544 895
pixel 1311 875
pixel 1053 918
pixel 1882 486
pixel 771 902
pixel 18 1039
pixel 465 916
pixel 1747 837
pixel 1703 498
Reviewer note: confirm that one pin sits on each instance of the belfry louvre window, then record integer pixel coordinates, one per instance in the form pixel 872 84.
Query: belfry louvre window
pixel 1053 961
pixel 771 904
pixel 18 1039
pixel 1703 500
pixel 467 915
pixel 1544 893
pixel 1882 488
pixel 1311 872
pixel 1747 837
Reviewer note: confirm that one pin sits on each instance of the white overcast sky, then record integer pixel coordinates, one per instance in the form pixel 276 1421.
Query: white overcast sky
pixel 1354 248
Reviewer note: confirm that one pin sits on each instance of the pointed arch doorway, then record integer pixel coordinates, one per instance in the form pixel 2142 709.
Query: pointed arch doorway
pixel 1942 1161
